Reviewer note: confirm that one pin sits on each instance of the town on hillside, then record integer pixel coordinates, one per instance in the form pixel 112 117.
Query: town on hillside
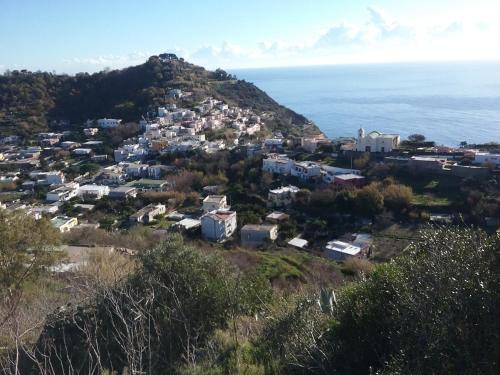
pixel 215 173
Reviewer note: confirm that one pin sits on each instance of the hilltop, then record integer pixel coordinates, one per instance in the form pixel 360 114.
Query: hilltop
pixel 34 101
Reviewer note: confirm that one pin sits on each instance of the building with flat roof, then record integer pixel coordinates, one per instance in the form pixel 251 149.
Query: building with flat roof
pixel 486 157
pixel 279 164
pixel 147 214
pixel 146 184
pixel 218 225
pixel 64 223
pixel 93 191
pixel 282 197
pixel 108 123
pixel 277 217
pixel 348 180
pixel 305 170
pixel 123 192
pixel 258 234
pixel 339 250
pixel 62 193
pixel 214 202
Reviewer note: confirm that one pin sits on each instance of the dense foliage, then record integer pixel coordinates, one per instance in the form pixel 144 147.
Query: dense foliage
pixel 156 320
pixel 434 310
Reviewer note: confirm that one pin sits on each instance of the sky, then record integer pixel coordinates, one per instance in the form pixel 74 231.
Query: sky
pixel 70 36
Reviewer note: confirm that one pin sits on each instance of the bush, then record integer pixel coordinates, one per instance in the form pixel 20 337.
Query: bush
pixel 369 200
pixel 432 311
pixel 159 318
pixel 398 197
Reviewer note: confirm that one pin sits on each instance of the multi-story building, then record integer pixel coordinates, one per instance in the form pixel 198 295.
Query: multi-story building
pixel 63 193
pixel 218 225
pixel 282 197
pixel 214 203
pixel 279 164
pixel 93 191
pixel 306 170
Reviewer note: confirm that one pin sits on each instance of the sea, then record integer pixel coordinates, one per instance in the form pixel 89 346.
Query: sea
pixel 446 102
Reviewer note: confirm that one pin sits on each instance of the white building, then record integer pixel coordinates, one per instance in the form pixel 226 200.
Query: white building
pixel 93 191
pixel 48 178
pixel 108 123
pixel 279 164
pixel 62 193
pixel 82 151
pixel 131 152
pixel 136 169
pixel 486 157
pixel 305 170
pixel 376 142
pixel 284 196
pixel 339 250
pixel 215 203
pixel 218 225
pixel 329 173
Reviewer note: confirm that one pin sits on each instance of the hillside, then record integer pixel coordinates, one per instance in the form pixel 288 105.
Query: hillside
pixel 34 101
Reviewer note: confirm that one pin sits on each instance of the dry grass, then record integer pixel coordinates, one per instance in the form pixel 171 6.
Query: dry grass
pixel 107 267
pixel 357 266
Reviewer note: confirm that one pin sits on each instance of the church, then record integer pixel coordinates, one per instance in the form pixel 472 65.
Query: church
pixel 376 141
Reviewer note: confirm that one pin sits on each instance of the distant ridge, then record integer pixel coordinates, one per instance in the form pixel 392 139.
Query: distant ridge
pixel 32 101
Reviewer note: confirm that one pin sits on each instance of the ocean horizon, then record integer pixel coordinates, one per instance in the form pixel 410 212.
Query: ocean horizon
pixel 448 102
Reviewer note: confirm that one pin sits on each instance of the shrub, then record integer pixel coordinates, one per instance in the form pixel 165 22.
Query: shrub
pixel 369 200
pixel 398 197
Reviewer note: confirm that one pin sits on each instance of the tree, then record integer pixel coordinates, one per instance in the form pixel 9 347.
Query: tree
pixel 91 168
pixel 302 197
pixel 398 197
pixel 417 138
pixel 369 200
pixel 157 320
pixel 433 310
pixel 362 161
pixel 27 247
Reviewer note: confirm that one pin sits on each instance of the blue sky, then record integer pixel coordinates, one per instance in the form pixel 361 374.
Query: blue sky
pixel 90 35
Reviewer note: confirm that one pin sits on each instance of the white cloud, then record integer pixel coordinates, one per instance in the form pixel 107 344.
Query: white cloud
pixel 380 38
pixel 105 61
pixel 340 35
pixel 448 29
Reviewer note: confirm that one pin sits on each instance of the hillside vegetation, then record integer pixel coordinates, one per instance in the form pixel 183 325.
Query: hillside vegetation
pixel 180 310
pixel 35 101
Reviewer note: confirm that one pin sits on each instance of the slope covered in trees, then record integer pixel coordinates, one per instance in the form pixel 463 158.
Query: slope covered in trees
pixel 31 101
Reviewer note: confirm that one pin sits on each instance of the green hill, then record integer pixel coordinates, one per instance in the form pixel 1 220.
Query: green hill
pixel 36 101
